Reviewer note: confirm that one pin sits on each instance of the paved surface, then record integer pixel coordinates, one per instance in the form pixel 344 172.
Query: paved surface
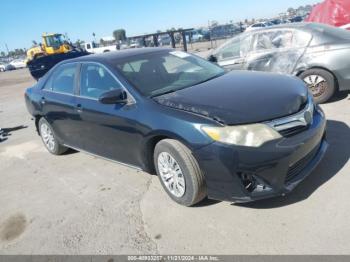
pixel 79 204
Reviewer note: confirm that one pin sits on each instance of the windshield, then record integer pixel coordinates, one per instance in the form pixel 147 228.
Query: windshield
pixel 159 73
pixel 54 40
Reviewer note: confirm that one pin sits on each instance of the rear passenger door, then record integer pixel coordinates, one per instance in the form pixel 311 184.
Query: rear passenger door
pixel 58 101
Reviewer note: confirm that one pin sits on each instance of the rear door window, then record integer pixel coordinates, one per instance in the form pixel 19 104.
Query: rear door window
pixel 301 38
pixel 280 39
pixel 273 39
pixel 62 79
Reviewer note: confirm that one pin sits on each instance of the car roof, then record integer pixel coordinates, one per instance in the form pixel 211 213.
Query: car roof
pixel 322 30
pixel 301 25
pixel 118 55
pixel 284 26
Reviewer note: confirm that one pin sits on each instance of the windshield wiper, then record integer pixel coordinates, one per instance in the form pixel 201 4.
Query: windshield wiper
pixel 164 93
pixel 184 87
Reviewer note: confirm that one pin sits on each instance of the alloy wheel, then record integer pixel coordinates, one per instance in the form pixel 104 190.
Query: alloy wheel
pixel 47 136
pixel 171 174
pixel 317 84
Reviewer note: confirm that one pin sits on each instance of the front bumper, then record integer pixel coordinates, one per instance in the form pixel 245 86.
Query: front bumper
pixel 275 168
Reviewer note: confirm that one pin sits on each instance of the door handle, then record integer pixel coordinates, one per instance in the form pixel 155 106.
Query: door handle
pixel 43 101
pixel 79 108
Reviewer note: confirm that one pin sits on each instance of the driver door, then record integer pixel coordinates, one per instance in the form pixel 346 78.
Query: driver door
pixel 107 130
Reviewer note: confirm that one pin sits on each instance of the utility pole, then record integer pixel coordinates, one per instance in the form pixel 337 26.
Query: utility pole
pixel 8 53
pixel 211 41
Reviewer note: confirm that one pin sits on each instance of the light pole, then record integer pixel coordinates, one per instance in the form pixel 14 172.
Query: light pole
pixel 211 41
pixel 8 53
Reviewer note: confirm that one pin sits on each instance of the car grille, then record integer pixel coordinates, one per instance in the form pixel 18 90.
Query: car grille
pixel 295 169
pixel 294 124
pixel 292 131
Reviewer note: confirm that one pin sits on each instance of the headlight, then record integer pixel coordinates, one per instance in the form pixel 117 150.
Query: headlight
pixel 253 135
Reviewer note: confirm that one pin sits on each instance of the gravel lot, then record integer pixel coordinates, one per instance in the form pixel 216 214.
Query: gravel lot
pixel 79 204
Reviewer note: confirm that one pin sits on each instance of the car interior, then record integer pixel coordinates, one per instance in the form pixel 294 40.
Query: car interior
pixel 152 76
pixel 95 81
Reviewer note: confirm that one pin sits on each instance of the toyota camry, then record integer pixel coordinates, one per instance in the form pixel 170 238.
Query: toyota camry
pixel 238 136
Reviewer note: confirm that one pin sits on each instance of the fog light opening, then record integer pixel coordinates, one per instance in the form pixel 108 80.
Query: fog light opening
pixel 253 184
pixel 249 182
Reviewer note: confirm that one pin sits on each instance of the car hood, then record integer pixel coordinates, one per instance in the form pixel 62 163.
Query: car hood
pixel 241 97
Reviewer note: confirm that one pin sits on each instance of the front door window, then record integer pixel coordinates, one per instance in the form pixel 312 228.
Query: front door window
pixel 96 80
pixel 238 47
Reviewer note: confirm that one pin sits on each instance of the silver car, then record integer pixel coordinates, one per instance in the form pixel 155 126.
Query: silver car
pixel 317 53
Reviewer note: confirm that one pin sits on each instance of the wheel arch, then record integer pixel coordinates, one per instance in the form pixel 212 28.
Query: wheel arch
pixel 150 144
pixel 36 121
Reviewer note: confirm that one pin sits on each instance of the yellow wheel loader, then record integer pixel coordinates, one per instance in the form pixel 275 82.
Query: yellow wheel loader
pixel 53 49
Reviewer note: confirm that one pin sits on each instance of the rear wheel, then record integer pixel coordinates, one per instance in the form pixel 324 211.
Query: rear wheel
pixel 179 172
pixel 321 84
pixel 49 139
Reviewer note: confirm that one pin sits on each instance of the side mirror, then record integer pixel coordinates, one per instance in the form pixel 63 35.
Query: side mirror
pixel 116 96
pixel 213 58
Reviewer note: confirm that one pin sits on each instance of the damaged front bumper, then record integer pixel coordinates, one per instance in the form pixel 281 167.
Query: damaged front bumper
pixel 244 174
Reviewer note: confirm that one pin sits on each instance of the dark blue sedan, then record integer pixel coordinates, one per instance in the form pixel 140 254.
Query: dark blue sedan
pixel 238 136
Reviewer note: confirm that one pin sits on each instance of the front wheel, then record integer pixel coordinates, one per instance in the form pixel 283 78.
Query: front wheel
pixel 49 139
pixel 321 83
pixel 179 172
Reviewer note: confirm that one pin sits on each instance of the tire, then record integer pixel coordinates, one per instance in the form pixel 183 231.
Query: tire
pixel 322 91
pixel 189 174
pixel 51 144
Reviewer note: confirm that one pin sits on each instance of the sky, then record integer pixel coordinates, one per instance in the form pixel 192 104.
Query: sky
pixel 23 21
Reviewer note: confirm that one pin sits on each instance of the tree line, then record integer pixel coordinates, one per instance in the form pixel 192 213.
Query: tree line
pixel 12 53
